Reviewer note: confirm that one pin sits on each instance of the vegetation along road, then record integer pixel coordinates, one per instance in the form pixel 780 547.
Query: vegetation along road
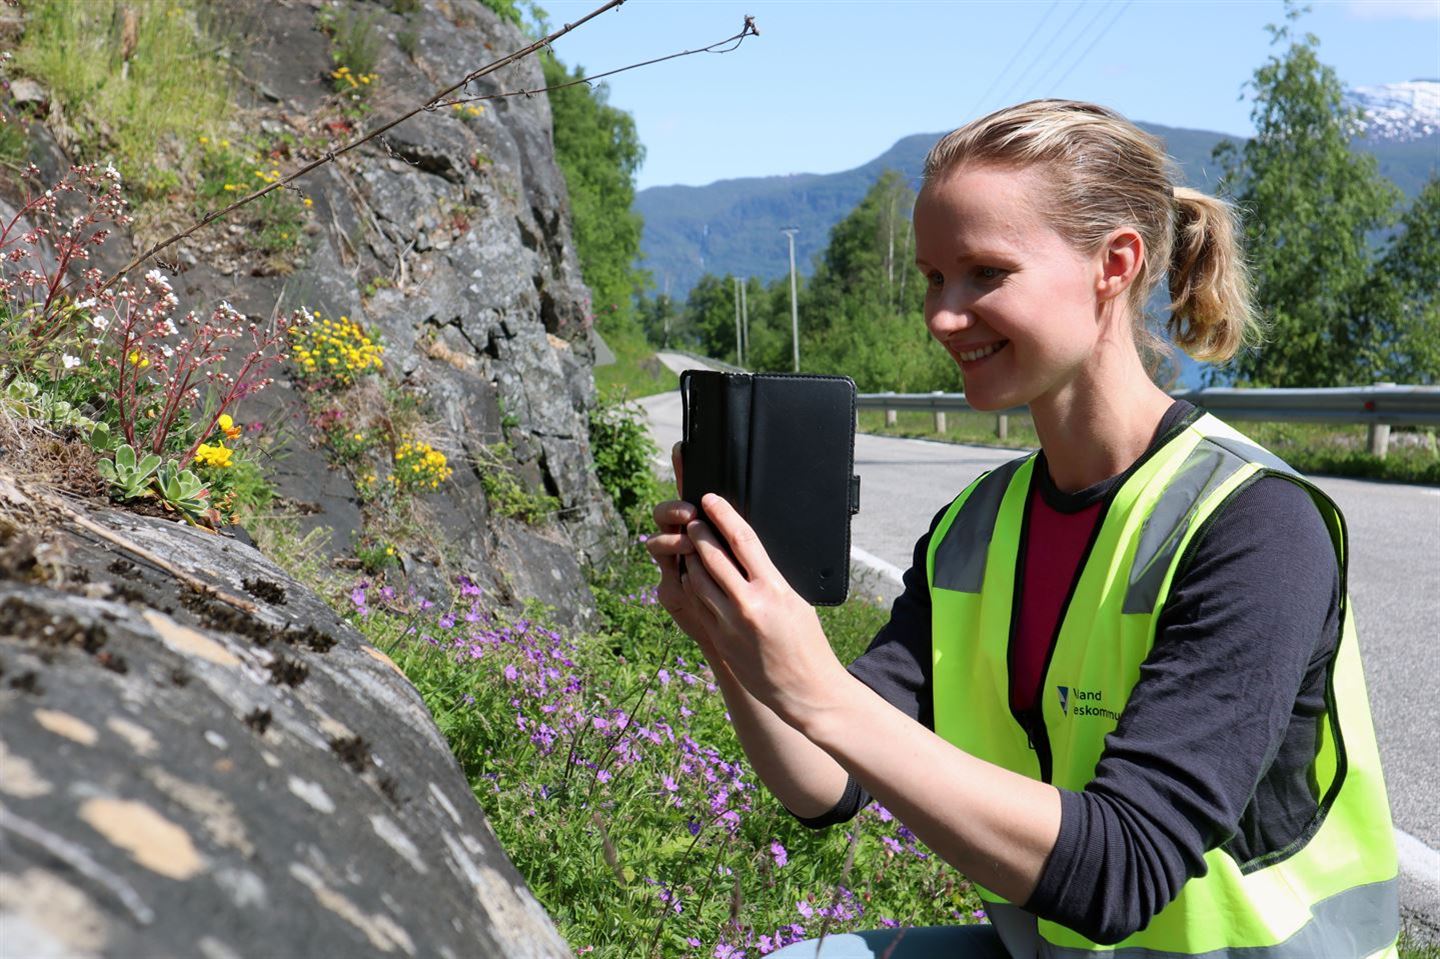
pixel 1395 585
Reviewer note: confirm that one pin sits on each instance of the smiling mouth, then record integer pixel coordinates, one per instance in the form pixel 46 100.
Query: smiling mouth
pixel 970 356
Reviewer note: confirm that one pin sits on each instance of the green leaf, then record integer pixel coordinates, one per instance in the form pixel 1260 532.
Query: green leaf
pixel 125 457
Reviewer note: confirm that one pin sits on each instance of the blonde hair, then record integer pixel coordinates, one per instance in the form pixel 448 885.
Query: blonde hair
pixel 1103 173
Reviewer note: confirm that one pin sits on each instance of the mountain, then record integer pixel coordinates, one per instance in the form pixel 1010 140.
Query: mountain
pixel 1399 112
pixel 733 226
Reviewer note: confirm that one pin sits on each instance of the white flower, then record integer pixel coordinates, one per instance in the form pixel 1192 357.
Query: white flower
pixel 99 322
pixel 70 361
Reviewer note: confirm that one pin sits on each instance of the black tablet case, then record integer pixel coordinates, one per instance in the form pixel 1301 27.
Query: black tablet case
pixel 780 448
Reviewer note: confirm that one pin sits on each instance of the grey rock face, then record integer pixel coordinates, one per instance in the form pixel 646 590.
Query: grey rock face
pixel 479 300
pixel 221 771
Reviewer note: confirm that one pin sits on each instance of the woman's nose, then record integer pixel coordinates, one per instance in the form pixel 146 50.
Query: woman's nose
pixel 948 315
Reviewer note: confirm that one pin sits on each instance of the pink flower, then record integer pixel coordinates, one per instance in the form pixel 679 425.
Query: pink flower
pixel 780 855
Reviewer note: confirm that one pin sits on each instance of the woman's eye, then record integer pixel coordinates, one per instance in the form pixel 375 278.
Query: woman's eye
pixel 989 273
pixel 935 280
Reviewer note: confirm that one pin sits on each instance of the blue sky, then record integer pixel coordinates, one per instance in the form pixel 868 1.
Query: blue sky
pixel 831 84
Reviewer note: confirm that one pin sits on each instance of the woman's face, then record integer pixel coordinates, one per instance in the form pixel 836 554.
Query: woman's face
pixel 1016 306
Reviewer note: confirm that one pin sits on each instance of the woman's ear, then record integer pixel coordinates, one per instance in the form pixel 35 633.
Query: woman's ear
pixel 1121 257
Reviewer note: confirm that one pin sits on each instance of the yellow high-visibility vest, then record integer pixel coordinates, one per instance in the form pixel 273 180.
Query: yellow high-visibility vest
pixel 1333 892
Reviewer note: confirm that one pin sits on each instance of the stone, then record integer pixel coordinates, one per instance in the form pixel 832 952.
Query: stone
pixel 164 792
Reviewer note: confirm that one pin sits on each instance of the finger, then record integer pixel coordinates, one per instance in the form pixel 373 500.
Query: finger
pixel 669 544
pixel 674 514
pixel 742 539
pixel 678 462
pixel 715 560
pixel 701 585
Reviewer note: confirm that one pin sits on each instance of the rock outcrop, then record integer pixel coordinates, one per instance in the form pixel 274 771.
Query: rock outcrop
pixel 199 758
pixel 450 237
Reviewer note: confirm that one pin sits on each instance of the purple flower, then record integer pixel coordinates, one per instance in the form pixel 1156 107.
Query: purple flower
pixel 603 775
pixel 511 673
pixel 780 855
pixel 889 923
pixel 805 909
pixel 978 914
pixel 693 826
pixel 669 784
pixel 664 675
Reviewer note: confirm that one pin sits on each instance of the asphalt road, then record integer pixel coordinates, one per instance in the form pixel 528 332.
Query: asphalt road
pixel 1394 586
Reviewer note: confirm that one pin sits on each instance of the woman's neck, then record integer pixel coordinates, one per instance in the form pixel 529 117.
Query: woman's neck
pixel 1099 424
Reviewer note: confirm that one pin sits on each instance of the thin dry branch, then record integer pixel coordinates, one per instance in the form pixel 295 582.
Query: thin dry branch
pixel 429 106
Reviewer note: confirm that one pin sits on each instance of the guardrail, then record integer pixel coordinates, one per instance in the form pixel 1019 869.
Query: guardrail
pixel 1380 406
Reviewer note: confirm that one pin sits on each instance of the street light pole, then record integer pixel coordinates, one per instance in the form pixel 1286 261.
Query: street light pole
pixel 790 232
pixel 745 316
pixel 739 354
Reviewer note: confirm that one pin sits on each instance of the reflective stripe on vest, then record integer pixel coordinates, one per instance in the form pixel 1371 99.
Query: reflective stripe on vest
pixel 1297 898
pixel 1350 923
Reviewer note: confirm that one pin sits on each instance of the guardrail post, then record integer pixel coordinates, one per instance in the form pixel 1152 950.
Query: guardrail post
pixel 1002 426
pixel 940 421
pixel 1379 439
pixel 1379 435
pixel 889 417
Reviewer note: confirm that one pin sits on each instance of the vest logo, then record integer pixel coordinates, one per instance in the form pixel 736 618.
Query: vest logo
pixel 1087 702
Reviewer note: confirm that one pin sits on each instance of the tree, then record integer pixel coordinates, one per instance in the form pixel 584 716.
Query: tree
pixel 1404 305
pixel 1310 206
pixel 710 316
pixel 598 151
pixel 862 314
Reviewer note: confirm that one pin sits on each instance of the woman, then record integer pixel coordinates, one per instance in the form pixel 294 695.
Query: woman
pixel 1121 691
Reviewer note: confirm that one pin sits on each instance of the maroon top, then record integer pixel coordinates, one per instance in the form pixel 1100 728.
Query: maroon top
pixel 1054 545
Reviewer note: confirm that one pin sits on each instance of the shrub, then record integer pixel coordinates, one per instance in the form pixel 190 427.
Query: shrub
pixel 333 353
pixel 624 460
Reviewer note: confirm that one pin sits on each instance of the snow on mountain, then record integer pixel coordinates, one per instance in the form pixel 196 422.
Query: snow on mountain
pixel 1399 111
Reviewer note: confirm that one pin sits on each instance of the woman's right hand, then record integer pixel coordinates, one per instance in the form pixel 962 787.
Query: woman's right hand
pixel 668 545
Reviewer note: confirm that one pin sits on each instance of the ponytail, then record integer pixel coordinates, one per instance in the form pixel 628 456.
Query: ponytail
pixel 1211 314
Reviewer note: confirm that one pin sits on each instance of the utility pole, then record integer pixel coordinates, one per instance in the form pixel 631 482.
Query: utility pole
pixel 790 232
pixel 739 353
pixel 745 316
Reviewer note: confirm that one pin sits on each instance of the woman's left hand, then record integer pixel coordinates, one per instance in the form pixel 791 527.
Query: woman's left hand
pixel 767 634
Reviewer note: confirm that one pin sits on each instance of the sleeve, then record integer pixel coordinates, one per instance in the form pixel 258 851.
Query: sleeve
pixel 897 666
pixel 1236 675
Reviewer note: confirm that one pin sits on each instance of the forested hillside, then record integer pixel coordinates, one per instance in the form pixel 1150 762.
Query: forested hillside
pixel 733 226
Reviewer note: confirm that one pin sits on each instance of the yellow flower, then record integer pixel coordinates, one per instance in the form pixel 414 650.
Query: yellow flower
pixel 309 202
pixel 216 456
pixel 204 140
pixel 138 359
pixel 225 144
pixel 228 427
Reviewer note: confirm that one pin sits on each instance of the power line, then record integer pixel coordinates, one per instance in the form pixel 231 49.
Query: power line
pixel 1019 83
pixel 1097 39
pixel 1100 10
pixel 980 101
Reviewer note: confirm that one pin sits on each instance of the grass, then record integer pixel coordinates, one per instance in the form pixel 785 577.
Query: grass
pixel 1312 448
pixel 636 372
pixel 174 86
